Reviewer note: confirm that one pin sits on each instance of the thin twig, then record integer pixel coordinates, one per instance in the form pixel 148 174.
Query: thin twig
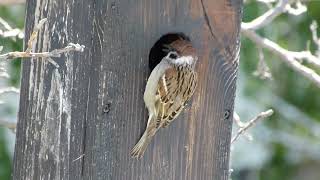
pixel 237 120
pixel 9 90
pixel 252 122
pixel 315 38
pixel 81 156
pixel 3 71
pixel 5 24
pixel 267 1
pixel 263 71
pixel 12 2
pixel 8 32
pixel 31 42
pixel 4 75
pixel 10 125
pixel 12 33
pixel 281 7
pixel 28 52
pixel 35 34
pixel 299 9
pixel 292 58
pixel 267 17
pixel 53 53
pixel 241 124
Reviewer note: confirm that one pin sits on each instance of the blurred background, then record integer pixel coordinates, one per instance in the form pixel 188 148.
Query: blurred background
pixel 285 146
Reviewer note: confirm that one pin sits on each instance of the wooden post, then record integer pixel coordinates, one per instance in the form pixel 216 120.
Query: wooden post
pixel 79 121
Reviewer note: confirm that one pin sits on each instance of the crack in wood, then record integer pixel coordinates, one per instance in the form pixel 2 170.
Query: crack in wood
pixel 85 127
pixel 207 20
pixel 226 51
pixel 84 147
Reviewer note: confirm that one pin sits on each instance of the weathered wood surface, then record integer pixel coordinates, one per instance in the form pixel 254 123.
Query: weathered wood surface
pixel 81 120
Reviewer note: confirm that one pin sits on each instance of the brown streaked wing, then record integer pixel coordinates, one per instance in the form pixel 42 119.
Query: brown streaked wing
pixel 192 84
pixel 166 85
pixel 186 90
pixel 174 92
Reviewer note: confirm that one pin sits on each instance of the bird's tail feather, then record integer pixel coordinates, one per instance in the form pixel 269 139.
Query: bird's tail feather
pixel 139 149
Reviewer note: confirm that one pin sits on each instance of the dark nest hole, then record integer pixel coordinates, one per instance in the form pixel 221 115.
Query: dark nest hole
pixel 157 53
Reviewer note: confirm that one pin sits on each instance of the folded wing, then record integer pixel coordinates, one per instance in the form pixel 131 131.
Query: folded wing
pixel 175 87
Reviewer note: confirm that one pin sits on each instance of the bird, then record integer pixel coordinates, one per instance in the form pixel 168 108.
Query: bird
pixel 170 85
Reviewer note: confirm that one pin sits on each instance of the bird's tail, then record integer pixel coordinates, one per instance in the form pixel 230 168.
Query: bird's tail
pixel 139 149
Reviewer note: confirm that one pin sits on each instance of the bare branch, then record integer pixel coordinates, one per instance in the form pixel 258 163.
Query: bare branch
pixel 12 33
pixel 241 124
pixel 29 53
pixel 237 120
pixel 267 17
pixel 252 122
pixel 10 125
pixel 263 70
pixel 53 53
pixel 313 29
pixel 290 57
pixel 3 72
pixel 5 24
pixel 299 9
pixel 8 32
pixel 267 1
pixel 11 2
pixel 9 90
pixel 315 38
pixel 4 75
pixel 281 7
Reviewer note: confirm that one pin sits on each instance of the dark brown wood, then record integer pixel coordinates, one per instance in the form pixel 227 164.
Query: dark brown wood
pixel 80 121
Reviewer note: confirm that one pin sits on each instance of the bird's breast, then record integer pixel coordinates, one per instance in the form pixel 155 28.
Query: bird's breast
pixel 152 84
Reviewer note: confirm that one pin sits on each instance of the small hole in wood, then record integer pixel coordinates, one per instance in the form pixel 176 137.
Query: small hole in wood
pixel 157 53
pixel 106 108
pixel 113 5
pixel 226 114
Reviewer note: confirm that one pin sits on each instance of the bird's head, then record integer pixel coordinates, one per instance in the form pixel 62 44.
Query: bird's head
pixel 181 52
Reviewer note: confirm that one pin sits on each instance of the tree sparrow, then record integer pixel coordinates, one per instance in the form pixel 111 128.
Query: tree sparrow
pixel 171 83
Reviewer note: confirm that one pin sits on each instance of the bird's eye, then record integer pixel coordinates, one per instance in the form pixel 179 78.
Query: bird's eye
pixel 173 56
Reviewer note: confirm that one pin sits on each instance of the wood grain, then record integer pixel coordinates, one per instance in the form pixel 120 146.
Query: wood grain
pixel 81 120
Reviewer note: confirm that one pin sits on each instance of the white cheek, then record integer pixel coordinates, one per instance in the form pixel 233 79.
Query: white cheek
pixel 184 60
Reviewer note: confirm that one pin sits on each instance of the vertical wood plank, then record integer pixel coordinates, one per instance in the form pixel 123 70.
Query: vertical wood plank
pixel 80 121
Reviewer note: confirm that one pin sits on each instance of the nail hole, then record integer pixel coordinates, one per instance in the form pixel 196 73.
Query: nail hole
pixel 156 52
pixel 106 108
pixel 226 114
pixel 113 5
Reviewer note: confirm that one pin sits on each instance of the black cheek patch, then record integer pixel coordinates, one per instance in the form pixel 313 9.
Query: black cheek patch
pixel 173 56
